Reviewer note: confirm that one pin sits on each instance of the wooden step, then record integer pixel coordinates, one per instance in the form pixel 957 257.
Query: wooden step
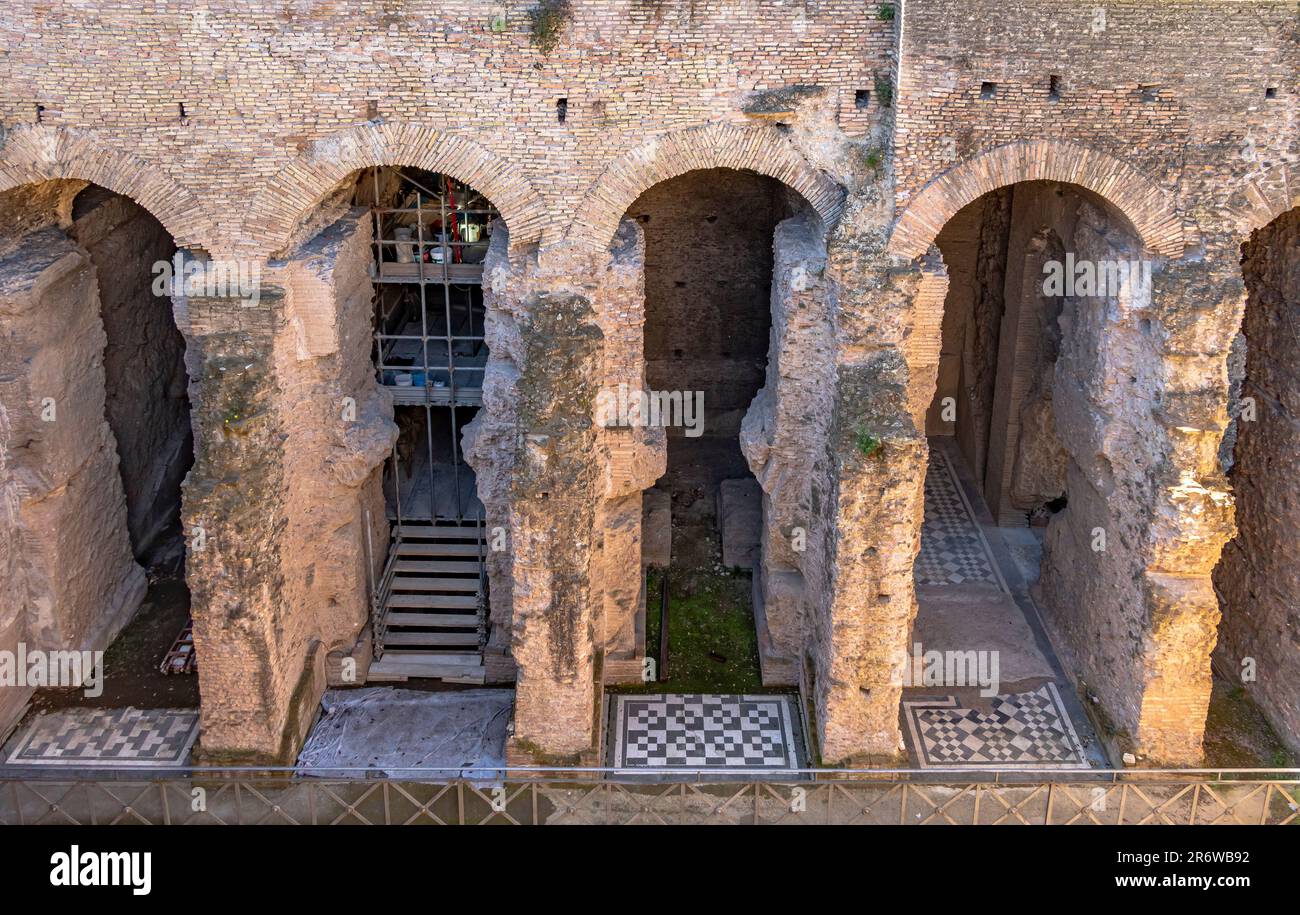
pixel 407 548
pixel 434 601
pixel 432 639
pixel 434 567
pixel 440 532
pixel 410 583
pixel 395 667
pixel 442 620
pixel 415 656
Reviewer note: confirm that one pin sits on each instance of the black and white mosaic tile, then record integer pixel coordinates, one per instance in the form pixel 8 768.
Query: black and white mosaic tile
pixel 1029 730
pixel 705 732
pixel 105 737
pixel 953 549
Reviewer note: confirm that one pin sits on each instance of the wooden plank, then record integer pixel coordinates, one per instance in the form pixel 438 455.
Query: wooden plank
pixel 445 620
pixel 440 532
pixel 385 671
pixel 456 273
pixel 406 583
pixel 406 548
pixel 399 637
pixel 435 567
pixel 449 658
pixel 411 395
pixel 433 601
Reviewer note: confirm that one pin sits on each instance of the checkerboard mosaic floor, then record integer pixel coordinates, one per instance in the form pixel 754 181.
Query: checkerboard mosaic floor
pixel 953 550
pixel 105 738
pixel 705 732
pixel 1028 730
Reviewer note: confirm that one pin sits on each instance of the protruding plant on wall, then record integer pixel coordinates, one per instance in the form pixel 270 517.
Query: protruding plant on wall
pixel 870 445
pixel 886 12
pixel 884 90
pixel 549 19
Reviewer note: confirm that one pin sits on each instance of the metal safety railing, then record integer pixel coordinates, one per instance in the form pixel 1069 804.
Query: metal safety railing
pixel 601 796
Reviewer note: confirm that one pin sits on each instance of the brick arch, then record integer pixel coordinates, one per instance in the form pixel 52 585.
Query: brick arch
pixel 1152 211
pixel 761 149
pixel 30 155
pixel 305 181
pixel 1266 197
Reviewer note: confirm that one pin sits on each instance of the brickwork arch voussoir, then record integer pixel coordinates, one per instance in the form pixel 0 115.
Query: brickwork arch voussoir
pixel 305 181
pixel 1266 197
pixel 760 149
pixel 1152 211
pixel 30 155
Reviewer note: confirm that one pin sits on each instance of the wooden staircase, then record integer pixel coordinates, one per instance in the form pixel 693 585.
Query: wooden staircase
pixel 430 610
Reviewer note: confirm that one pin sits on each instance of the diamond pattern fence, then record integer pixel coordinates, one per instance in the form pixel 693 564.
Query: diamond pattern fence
pixel 1128 798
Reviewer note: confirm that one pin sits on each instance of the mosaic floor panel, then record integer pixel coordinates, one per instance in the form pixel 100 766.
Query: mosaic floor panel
pixel 953 550
pixel 705 732
pixel 106 737
pixel 1028 730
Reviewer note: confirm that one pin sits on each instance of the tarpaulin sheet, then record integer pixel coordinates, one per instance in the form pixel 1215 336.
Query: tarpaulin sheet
pixel 396 731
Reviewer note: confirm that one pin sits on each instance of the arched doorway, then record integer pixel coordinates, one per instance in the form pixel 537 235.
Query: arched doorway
pixel 432 234
pixel 1040 433
pixel 709 307
pixel 399 252
pixel 98 441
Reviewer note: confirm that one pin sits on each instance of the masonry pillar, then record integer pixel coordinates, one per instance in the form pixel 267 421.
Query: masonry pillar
pixel 553 511
pixel 1126 568
pixel 1200 305
pixel 781 435
pixel 70 582
pixel 338 431
pixel 633 456
pixel 1258 578
pixel 871 482
pixel 550 476
pixel 257 680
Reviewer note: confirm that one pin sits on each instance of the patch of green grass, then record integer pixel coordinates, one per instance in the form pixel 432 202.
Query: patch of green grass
pixel 712 645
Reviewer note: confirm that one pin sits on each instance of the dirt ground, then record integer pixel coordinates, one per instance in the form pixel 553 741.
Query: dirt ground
pixel 1238 736
pixel 131 674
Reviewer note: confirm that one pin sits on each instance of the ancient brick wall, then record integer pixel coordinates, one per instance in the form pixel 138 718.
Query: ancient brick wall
pixel 230 122
pixel 626 68
pixel 1175 89
pixel 708 277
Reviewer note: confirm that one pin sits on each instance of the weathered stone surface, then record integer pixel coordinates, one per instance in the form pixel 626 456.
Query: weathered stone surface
pixel 656 528
pixel 1138 401
pixel 72 581
pixel 254 667
pixel 740 521
pixel 339 427
pixel 1258 578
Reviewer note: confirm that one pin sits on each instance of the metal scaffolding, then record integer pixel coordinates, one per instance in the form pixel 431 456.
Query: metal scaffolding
pixel 429 605
pixel 430 353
